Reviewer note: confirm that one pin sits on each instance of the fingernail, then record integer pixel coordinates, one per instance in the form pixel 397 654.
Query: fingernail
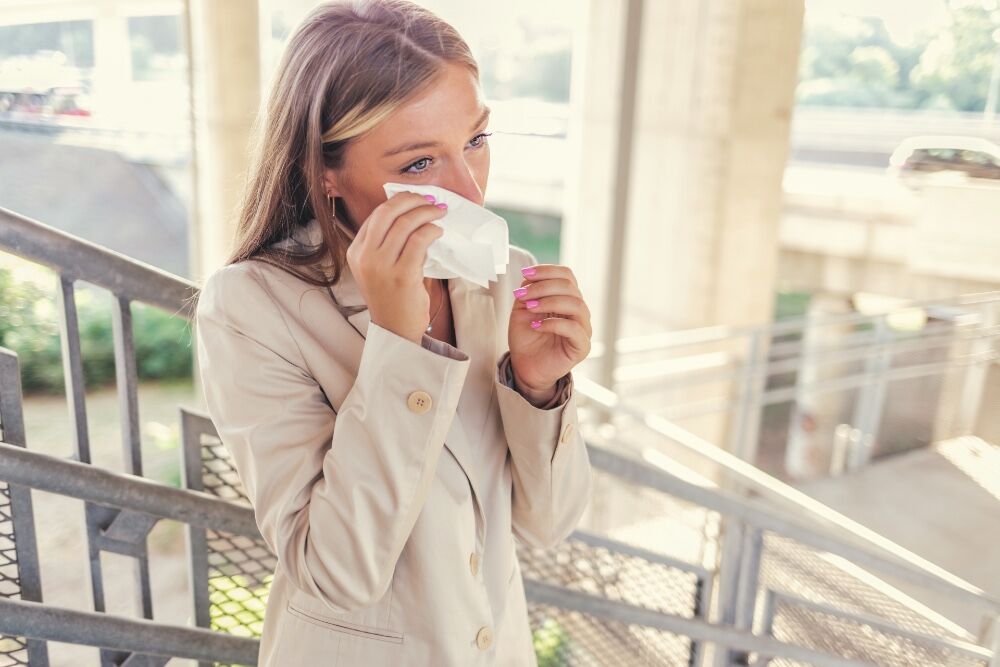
pixel 535 324
pixel 430 198
pixel 528 271
pixel 520 291
pixel 532 303
pixel 441 205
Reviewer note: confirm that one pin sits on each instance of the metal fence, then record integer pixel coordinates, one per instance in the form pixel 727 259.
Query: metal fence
pixel 864 370
pixel 593 600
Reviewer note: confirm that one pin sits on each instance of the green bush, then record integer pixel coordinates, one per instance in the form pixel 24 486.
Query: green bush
pixel 551 644
pixel 29 325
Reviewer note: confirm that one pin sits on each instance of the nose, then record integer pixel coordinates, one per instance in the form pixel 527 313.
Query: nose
pixel 461 179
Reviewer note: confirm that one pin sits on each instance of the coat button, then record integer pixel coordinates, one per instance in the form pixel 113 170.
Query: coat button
pixel 474 563
pixel 419 402
pixel 567 433
pixel 484 638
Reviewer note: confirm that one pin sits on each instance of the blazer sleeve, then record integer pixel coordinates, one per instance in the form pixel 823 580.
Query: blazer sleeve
pixel 335 495
pixel 550 467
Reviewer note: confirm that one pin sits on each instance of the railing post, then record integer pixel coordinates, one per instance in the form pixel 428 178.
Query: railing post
pixel 730 558
pixel 25 579
pixel 753 545
pixel 994 641
pixel 767 623
pixel 745 429
pixel 871 395
pixel 746 588
pixel 975 373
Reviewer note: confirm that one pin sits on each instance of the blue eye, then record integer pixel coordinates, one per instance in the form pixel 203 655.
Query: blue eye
pixel 407 170
pixel 481 136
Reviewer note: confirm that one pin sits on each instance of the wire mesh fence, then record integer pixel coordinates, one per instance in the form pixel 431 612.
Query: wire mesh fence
pixel 823 602
pixel 232 573
pixel 13 650
pixel 605 572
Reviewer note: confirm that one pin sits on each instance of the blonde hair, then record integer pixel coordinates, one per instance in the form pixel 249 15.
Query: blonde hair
pixel 345 68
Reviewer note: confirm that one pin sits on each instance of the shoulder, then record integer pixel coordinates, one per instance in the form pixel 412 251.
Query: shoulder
pixel 228 290
pixel 240 298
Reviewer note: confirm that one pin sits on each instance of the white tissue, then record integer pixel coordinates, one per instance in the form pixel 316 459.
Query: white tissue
pixel 475 242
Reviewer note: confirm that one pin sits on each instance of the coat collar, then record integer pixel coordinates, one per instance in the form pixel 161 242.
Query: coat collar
pixel 475 322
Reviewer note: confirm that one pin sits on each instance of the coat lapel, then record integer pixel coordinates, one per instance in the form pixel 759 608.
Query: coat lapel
pixel 474 318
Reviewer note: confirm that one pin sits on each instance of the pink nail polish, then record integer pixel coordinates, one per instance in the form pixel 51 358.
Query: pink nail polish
pixel 531 303
pixel 520 291
pixel 528 271
pixel 535 324
pixel 430 198
pixel 441 205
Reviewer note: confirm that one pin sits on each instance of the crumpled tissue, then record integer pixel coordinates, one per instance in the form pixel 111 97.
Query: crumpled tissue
pixel 475 244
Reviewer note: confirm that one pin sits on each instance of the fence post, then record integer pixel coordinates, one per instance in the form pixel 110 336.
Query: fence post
pixel 994 641
pixel 730 558
pixel 745 431
pixel 976 372
pixel 870 398
pixel 26 583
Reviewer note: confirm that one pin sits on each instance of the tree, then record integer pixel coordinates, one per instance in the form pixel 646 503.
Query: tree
pixel 853 61
pixel 958 62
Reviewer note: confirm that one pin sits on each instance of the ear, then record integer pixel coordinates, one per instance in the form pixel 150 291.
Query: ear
pixel 331 183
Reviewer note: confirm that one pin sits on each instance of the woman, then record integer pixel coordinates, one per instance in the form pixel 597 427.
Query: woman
pixel 394 433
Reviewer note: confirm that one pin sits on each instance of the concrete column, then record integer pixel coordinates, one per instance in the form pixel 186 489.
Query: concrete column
pixel 112 64
pixel 715 95
pixel 224 51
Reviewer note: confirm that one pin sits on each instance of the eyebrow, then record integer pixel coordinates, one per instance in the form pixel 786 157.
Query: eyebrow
pixel 430 144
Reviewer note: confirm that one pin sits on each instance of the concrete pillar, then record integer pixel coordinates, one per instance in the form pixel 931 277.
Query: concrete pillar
pixel 224 51
pixel 715 95
pixel 112 64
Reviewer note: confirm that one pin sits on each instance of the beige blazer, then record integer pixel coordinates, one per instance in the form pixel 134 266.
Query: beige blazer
pixel 389 478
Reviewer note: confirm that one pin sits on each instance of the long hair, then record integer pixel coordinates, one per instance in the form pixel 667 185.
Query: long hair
pixel 345 68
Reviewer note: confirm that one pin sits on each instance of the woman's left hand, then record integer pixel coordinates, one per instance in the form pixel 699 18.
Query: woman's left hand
pixel 541 354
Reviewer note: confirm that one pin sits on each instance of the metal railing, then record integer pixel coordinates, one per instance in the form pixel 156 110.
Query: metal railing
pixel 592 600
pixel 746 360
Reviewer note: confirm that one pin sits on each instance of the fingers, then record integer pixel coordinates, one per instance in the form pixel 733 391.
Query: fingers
pixel 411 259
pixel 549 271
pixel 531 289
pixel 398 230
pixel 401 206
pixel 572 330
pixel 419 222
pixel 561 306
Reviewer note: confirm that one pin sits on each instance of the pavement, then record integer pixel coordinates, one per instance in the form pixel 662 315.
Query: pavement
pixel 941 502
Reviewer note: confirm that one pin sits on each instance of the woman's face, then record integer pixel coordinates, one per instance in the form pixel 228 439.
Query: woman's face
pixel 435 139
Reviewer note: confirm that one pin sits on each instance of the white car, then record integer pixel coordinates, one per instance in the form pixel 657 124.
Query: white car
pixel 956 155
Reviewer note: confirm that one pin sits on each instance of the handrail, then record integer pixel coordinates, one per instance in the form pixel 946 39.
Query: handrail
pixel 723 635
pixel 718 333
pixel 726 371
pixel 83 481
pixel 968 649
pixel 35 620
pixel 80 259
pixel 755 513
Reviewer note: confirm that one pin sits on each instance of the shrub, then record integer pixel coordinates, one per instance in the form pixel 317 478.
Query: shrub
pixel 29 325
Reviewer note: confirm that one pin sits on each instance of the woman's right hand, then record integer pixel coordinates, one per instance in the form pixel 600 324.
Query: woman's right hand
pixel 387 258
